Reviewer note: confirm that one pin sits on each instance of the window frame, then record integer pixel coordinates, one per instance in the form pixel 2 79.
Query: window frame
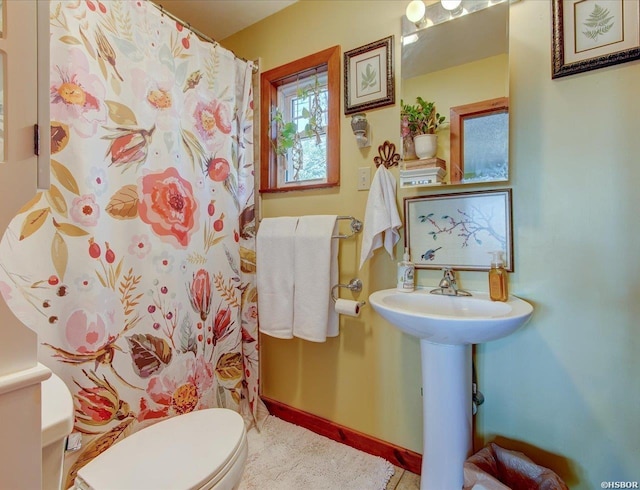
pixel 327 60
pixel 457 115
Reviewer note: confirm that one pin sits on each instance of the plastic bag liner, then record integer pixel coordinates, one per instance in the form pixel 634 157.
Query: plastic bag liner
pixel 496 468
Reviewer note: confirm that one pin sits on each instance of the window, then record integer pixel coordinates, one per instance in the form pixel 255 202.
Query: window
pixel 300 124
pixel 303 105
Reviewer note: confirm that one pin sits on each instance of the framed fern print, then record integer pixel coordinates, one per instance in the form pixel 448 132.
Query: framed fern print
pixel 591 34
pixel 368 76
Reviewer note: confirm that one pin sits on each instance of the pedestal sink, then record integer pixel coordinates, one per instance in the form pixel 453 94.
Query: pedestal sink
pixel 447 327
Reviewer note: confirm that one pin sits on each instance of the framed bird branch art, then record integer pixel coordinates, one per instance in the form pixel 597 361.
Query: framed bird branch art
pixel 459 230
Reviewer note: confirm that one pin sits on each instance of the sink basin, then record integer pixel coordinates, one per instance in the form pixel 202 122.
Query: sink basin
pixel 452 320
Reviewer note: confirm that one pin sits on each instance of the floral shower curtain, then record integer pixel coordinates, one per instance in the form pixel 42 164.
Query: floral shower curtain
pixel 136 268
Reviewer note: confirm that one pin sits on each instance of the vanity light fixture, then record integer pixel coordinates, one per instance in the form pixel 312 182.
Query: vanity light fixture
pixel 415 11
pixel 360 127
pixel 450 4
pixel 422 16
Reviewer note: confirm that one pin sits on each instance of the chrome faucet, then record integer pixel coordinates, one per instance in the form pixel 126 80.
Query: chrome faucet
pixel 448 285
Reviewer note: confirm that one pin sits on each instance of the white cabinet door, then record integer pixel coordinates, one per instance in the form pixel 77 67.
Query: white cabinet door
pixel 20 451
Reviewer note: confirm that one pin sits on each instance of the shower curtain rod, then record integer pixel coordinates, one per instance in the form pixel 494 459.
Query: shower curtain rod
pixel 198 33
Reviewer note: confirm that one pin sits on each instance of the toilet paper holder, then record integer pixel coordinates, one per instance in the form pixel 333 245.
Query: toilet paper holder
pixel 354 285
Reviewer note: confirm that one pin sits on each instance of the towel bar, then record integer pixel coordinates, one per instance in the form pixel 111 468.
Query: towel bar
pixel 354 285
pixel 356 227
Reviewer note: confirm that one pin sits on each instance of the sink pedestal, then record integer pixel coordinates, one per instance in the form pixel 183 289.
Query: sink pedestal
pixel 447 414
pixel 447 326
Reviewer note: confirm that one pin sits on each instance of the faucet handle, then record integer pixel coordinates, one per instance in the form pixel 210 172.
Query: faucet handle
pixel 447 278
pixel 448 285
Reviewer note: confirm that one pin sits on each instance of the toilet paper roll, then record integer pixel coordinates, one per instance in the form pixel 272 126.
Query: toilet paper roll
pixel 347 307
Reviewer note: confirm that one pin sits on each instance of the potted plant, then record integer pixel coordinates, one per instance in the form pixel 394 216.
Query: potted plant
pixel 419 123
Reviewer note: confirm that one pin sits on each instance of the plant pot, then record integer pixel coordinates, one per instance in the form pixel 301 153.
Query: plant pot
pixel 426 145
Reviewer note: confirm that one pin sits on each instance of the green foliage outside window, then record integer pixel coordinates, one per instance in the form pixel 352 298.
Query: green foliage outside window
pixel 308 160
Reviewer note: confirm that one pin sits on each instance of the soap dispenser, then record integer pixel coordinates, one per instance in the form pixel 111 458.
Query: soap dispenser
pixel 498 287
pixel 406 272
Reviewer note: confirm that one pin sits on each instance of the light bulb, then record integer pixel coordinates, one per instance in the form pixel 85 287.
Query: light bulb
pixel 415 10
pixel 450 4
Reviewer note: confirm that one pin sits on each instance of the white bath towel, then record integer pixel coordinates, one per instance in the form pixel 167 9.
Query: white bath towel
pixel 381 218
pixel 316 271
pixel 275 275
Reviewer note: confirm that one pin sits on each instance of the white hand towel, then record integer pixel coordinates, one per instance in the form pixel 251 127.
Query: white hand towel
pixel 316 271
pixel 275 275
pixel 381 218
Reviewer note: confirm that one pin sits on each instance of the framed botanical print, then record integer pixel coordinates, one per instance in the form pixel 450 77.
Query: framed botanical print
pixel 368 76
pixel 591 34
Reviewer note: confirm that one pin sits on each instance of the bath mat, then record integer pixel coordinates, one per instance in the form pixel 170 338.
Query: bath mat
pixel 284 456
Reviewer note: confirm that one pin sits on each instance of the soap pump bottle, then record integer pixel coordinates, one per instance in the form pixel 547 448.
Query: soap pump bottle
pixel 406 272
pixel 498 287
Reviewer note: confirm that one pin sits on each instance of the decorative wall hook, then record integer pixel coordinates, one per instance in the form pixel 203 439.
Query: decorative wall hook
pixel 388 156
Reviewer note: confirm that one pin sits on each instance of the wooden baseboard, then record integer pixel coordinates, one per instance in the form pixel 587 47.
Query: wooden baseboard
pixel 396 455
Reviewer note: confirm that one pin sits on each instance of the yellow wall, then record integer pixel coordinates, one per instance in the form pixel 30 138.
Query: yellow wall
pixel 343 378
pixel 566 388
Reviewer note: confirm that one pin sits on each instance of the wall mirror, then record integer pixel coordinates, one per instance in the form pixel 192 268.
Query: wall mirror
pixel 460 58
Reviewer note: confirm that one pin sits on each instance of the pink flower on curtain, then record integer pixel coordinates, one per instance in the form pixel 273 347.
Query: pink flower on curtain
pixel 210 118
pixel 91 322
pixel 167 204
pixel 180 388
pixel 163 263
pixel 201 294
pixel 85 210
pixel 77 95
pixel 140 246
pixel 97 180
pixel 156 85
pixel 250 314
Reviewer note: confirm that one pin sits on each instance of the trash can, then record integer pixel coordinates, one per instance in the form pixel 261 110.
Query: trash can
pixel 496 468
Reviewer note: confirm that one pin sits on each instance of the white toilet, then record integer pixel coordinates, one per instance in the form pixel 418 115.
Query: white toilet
pixel 57 424
pixel 206 449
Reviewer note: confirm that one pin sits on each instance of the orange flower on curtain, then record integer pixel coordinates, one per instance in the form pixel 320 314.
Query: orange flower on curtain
pixel 168 205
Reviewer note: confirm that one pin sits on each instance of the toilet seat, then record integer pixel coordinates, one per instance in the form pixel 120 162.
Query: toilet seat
pixel 198 450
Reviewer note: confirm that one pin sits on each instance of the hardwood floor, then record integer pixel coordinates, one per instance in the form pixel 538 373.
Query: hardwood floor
pixel 403 480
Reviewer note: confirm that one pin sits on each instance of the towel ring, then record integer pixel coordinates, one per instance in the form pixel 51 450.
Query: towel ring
pixel 354 285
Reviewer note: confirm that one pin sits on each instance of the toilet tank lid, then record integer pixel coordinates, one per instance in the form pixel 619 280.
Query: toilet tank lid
pixel 180 452
pixel 57 410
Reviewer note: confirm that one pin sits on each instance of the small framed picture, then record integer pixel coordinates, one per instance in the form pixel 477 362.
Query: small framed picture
pixel 591 34
pixel 459 230
pixel 368 76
